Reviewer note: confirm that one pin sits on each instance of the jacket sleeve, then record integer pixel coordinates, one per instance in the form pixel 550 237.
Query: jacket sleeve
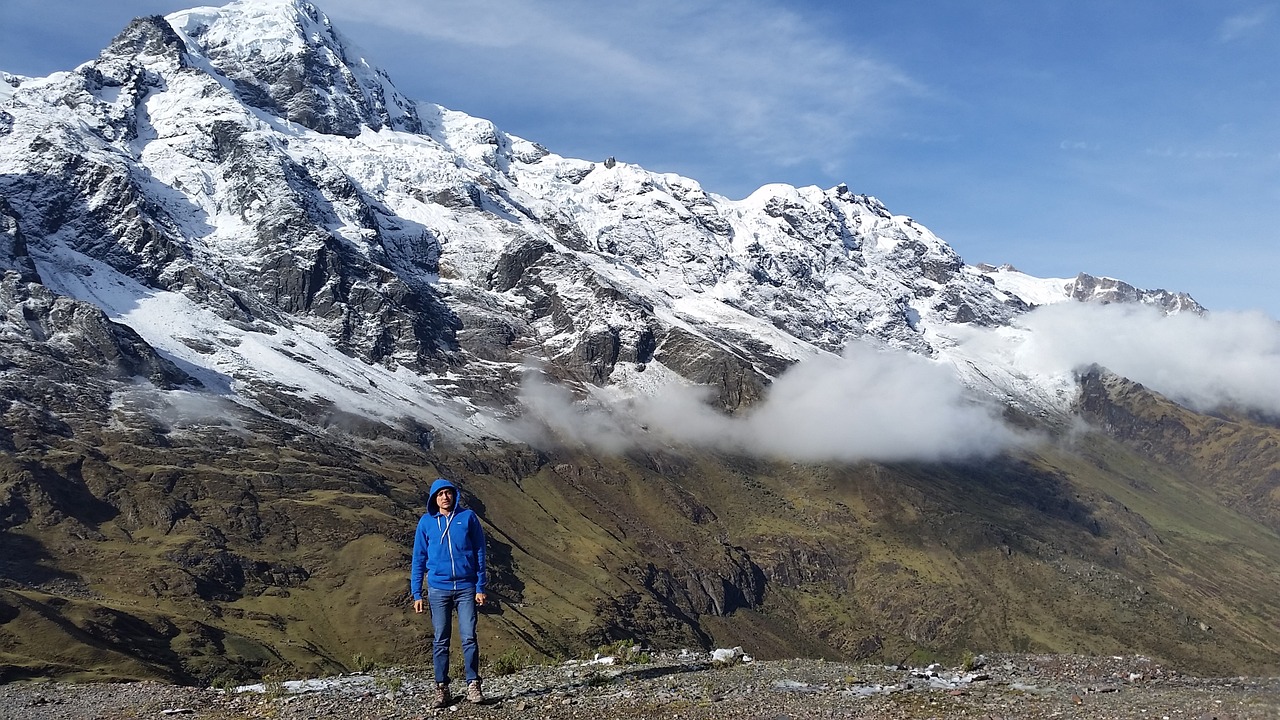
pixel 418 567
pixel 476 536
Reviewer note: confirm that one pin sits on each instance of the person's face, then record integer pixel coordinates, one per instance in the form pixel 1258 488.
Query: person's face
pixel 444 500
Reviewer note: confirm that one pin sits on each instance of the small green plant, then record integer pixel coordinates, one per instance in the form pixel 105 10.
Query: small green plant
pixel 1021 643
pixel 393 684
pixel 225 683
pixel 510 663
pixel 273 687
pixel 363 664
pixel 725 662
pixel 597 679
pixel 625 652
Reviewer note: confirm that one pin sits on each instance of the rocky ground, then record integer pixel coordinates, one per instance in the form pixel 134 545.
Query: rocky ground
pixel 692 686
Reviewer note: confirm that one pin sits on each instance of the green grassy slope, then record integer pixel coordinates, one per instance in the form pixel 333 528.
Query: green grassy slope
pixel 218 554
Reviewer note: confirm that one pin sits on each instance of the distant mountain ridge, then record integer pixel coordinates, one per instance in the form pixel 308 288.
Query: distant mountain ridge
pixel 255 298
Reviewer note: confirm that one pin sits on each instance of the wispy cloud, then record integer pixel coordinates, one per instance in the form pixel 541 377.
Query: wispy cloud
pixel 752 76
pixel 1244 24
pixel 1188 153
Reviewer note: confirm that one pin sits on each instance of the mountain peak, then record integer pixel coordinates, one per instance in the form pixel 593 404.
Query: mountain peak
pixel 285 57
pixel 147 36
pixel 270 29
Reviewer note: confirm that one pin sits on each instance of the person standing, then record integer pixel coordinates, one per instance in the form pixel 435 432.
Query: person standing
pixel 448 550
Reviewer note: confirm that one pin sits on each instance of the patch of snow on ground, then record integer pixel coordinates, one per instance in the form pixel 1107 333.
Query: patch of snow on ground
pixel 350 684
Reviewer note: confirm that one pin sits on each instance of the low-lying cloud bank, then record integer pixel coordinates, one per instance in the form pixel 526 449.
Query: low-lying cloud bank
pixel 868 404
pixel 885 405
pixel 1204 362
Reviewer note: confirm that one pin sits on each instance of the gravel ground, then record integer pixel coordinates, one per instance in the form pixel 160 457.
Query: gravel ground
pixel 692 687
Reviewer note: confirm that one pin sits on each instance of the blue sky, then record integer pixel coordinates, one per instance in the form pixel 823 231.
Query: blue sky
pixel 1137 139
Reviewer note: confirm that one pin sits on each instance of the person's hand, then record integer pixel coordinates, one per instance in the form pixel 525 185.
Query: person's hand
pixel 480 598
pixel 417 606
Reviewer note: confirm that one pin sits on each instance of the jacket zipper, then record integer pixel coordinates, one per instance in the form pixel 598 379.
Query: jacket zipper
pixel 448 542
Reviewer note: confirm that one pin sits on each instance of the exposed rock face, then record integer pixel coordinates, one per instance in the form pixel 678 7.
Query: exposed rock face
pixel 49 336
pixel 145 37
pixel 13 247
pixel 1088 288
pixel 724 368
pixel 303 72
pixel 81 332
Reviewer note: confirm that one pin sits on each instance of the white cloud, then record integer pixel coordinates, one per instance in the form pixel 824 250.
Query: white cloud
pixel 1243 24
pixel 866 405
pixel 553 416
pixel 1204 362
pixel 178 410
pixel 885 406
pixel 876 405
pixel 751 76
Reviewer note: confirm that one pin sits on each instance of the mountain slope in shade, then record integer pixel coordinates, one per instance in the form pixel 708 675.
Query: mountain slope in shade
pixel 255 300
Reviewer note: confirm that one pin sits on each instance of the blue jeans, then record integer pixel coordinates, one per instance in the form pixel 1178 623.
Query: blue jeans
pixel 443 603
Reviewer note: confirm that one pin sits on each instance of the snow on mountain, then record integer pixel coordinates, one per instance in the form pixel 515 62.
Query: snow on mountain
pixel 285 57
pixel 1085 288
pixel 254 198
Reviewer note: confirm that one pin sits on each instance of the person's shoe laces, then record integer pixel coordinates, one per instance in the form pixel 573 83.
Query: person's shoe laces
pixel 443 696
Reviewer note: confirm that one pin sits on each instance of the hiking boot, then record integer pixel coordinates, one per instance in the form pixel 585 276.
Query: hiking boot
pixel 443 697
pixel 474 693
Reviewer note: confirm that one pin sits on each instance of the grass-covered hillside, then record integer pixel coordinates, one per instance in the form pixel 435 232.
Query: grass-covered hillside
pixel 214 552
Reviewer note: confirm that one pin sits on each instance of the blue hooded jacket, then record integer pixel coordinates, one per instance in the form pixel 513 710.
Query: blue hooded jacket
pixel 447 549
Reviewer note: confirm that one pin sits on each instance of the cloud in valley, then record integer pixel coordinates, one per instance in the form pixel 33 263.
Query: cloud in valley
pixel 868 404
pixel 552 415
pixel 177 410
pixel 883 405
pixel 1204 362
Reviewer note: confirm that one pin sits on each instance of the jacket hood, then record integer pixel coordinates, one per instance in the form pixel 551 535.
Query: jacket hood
pixel 436 487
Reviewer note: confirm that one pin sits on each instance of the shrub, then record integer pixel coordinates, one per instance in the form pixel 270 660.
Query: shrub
pixel 392 685
pixel 360 663
pixel 970 662
pixel 225 683
pixel 625 652
pixel 273 687
pixel 509 663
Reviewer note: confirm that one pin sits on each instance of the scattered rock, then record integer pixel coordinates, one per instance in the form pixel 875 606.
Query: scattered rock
pixel 691 687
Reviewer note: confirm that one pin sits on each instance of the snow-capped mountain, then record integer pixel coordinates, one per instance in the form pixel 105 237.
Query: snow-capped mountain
pixel 247 192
